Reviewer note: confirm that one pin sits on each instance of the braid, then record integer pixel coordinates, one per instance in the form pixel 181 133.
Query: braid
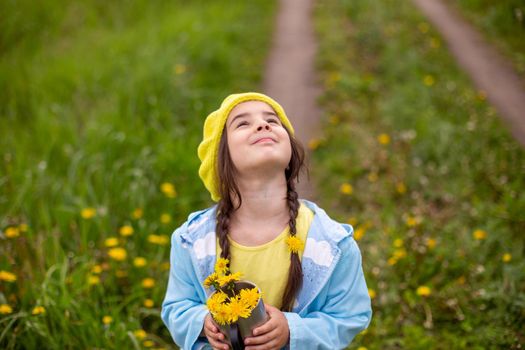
pixel 295 274
pixel 221 228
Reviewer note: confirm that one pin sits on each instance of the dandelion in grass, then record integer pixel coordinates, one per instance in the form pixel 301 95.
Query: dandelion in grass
pixel 431 243
pixel 506 257
pixel 7 276
pixel 148 303
pixel 96 269
pixel 359 233
pixel 126 230
pixel 412 221
pixel 168 189
pixel 140 334
pixel 148 282
pixel 111 242
pixel 38 310
pixel 346 189
pixel 139 261
pixel 93 280
pixel 398 242
pixel 88 213
pixel 429 80
pixel 165 218
pixel 479 234
pixel 401 188
pixel 12 232
pixel 179 68
pixel 158 239
pixel 314 144
pixel 383 139
pixel 137 213
pixel 423 291
pixel 148 343
pixel 362 347
pixel 107 319
pixel 371 293
pixel 118 254
pixel 5 309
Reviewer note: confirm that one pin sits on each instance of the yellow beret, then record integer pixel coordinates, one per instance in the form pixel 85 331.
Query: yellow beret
pixel 213 127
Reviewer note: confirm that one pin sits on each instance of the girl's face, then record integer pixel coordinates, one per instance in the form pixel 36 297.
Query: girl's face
pixel 257 139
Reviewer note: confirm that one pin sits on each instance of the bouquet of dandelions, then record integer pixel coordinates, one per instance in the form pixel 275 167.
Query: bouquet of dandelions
pixel 232 299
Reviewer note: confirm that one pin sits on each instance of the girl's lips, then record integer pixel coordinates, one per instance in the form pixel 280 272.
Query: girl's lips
pixel 264 140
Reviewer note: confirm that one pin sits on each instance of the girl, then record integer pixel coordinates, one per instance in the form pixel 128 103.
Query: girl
pixel 307 266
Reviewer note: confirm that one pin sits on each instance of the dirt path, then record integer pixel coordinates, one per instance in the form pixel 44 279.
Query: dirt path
pixel 486 67
pixel 290 73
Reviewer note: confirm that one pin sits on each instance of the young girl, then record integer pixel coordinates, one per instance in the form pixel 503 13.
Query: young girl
pixel 307 266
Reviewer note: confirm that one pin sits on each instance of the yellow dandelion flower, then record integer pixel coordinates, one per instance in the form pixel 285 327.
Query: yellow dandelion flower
pixel 88 213
pixel 38 310
pixel 250 296
pixel 412 221
pixel 346 188
pixel 107 319
pixel 148 303
pixel 506 257
pixel 148 343
pixel 314 144
pixel 431 243
pixel 139 261
pixel 211 279
pixel 148 282
pixel 12 232
pixel 359 233
pixel 423 291
pixel 111 242
pixel 400 253
pixel 362 347
pixel 158 239
pixel 391 261
pixel 295 245
pixel 401 188
pixel 168 189
pixel 118 254
pixel 461 280
pixel 140 334
pixel 137 213
pixel 238 309
pixel 23 227
pixel 165 218
pixel 180 68
pixel 96 269
pixel 221 266
pixel 398 242
pixel 222 280
pixel 429 80
pixel 334 120
pixel 215 301
pixel 352 221
pixel 5 309
pixel 222 314
pixel 372 293
pixel 372 177
pixel 479 234
pixel 92 280
pixel 126 230
pixel 7 276
pixel 383 139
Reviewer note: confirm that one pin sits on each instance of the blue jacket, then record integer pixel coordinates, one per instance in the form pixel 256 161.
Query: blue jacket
pixel 331 308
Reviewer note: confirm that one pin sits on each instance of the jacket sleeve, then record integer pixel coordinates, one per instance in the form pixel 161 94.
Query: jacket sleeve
pixel 347 310
pixel 183 312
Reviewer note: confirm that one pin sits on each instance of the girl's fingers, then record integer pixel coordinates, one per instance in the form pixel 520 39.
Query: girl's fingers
pixel 261 339
pixel 265 328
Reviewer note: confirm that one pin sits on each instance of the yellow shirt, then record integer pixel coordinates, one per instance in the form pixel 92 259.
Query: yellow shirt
pixel 267 265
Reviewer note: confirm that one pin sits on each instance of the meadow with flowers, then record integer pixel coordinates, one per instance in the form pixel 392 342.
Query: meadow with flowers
pixel 414 157
pixel 101 113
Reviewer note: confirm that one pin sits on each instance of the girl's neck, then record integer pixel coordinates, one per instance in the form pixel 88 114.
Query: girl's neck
pixel 263 200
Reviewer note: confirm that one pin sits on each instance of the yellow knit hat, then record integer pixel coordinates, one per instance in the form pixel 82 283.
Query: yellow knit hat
pixel 213 127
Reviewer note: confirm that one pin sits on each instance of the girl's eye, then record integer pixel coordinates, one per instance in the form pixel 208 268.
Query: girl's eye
pixel 275 121
pixel 242 123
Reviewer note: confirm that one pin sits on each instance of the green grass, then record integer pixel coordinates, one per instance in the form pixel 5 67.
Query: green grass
pixel 502 22
pixel 101 103
pixel 447 171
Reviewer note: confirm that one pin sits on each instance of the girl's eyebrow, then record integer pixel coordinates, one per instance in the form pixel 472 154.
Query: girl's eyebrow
pixel 248 113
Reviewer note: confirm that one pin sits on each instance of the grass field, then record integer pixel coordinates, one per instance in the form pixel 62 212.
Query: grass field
pixel 101 112
pixel 417 160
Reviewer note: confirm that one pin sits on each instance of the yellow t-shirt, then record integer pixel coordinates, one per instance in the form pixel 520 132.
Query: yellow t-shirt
pixel 267 265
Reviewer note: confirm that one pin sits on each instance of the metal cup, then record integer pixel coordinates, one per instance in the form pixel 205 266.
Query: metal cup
pixel 238 331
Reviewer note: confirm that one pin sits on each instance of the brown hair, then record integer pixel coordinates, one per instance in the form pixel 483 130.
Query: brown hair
pixel 229 188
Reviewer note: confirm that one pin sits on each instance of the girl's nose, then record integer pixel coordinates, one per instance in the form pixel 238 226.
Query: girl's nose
pixel 265 126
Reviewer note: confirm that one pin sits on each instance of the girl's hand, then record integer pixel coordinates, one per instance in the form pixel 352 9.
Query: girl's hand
pixel 214 335
pixel 273 334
